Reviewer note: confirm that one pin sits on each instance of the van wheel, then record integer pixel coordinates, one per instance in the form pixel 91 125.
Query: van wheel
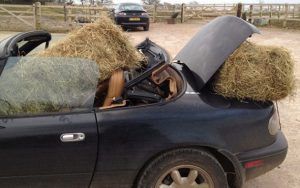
pixel 183 168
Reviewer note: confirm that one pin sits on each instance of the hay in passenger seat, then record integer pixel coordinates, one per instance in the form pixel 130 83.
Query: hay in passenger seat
pixel 102 42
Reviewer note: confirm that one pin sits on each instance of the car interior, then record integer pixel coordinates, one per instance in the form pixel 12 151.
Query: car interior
pixel 156 81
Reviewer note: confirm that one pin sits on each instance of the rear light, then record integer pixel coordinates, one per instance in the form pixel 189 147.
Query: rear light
pixel 122 14
pixel 144 14
pixel 274 124
pixel 253 164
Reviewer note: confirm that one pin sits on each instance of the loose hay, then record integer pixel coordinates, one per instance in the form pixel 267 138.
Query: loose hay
pixel 261 73
pixel 102 42
pixel 65 75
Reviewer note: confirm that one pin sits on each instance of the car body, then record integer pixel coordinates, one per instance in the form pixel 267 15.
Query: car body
pixel 116 146
pixel 130 15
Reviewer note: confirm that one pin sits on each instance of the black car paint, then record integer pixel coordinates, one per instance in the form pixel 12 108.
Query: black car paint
pixel 204 60
pixel 189 121
pixel 32 154
pixel 124 21
pixel 273 154
pixel 120 142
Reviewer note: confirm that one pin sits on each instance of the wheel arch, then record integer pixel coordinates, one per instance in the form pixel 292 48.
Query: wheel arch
pixel 228 163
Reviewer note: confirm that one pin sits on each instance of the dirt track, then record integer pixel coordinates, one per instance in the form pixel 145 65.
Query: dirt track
pixel 173 38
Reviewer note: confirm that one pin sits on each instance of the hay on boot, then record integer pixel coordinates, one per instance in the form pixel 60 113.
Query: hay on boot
pixel 102 42
pixel 261 73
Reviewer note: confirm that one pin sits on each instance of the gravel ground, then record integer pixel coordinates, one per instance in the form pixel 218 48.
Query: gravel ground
pixel 174 37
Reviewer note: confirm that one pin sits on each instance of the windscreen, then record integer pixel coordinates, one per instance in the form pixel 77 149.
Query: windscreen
pixel 35 85
pixel 129 7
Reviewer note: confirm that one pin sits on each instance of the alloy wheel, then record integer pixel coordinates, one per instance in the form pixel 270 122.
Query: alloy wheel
pixel 185 176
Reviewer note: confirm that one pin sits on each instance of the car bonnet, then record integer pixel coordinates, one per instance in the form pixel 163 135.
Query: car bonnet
pixel 212 45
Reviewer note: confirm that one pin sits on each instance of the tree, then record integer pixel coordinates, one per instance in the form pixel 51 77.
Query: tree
pixel 194 3
pixel 150 2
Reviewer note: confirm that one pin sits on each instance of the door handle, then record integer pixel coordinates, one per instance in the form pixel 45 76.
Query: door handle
pixel 72 137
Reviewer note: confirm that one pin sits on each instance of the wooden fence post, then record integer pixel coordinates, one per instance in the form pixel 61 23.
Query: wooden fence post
pixel 154 12
pixel 33 14
pixel 286 11
pixel 294 7
pixel 260 11
pixel 69 15
pixel 37 15
pixel 65 13
pixel 239 10
pixel 279 12
pixel 90 13
pixel 271 7
pixel 182 12
pixel 250 14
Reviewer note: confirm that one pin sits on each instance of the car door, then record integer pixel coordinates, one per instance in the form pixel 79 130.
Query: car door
pixel 33 154
pixel 48 129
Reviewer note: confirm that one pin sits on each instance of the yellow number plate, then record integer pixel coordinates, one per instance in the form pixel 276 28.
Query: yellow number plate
pixel 134 19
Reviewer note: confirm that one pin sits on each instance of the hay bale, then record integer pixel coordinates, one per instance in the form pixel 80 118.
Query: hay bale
pixel 32 85
pixel 102 42
pixel 261 73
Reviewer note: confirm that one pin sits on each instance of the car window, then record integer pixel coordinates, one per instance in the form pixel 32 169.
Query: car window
pixel 36 85
pixel 37 49
pixel 125 7
pixel 21 43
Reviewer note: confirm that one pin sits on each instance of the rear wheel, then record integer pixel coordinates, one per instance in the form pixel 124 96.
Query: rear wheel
pixel 183 168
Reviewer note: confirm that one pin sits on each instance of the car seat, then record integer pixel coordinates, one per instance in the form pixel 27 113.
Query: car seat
pixel 115 89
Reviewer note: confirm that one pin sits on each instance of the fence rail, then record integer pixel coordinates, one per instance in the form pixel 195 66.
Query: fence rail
pixel 37 15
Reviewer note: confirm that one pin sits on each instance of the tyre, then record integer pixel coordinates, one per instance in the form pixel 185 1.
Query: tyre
pixel 124 28
pixel 183 168
pixel 146 28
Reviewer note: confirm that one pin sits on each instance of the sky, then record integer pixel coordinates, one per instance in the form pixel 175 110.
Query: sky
pixel 218 1
pixel 214 1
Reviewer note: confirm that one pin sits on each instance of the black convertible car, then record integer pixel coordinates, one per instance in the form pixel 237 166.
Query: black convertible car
pixel 158 126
